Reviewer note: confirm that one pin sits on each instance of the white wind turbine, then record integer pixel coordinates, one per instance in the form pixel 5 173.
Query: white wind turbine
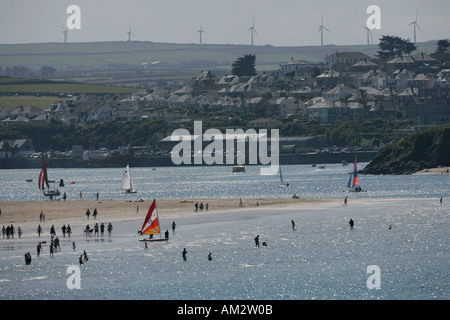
pixel 201 31
pixel 321 27
pixel 252 29
pixel 130 34
pixel 369 35
pixel 66 36
pixel 415 24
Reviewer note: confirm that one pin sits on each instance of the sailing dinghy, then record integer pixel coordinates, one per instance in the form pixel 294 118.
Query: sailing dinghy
pixel 355 187
pixel 151 225
pixel 127 184
pixel 282 183
pixel 43 181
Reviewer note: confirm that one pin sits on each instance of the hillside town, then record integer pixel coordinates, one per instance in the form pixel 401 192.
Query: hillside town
pixel 344 86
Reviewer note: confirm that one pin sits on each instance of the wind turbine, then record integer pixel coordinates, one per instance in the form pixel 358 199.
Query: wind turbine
pixel 415 24
pixel 321 27
pixel 369 35
pixel 130 34
pixel 201 31
pixel 252 29
pixel 66 37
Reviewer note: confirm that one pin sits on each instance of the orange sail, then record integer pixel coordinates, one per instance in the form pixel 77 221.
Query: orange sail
pixel 151 223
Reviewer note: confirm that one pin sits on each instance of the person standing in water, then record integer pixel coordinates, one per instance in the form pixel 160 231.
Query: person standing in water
pixel 257 241
pixel 351 223
pixel 184 254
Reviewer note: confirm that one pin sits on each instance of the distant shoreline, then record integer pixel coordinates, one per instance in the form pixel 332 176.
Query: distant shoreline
pixel 439 170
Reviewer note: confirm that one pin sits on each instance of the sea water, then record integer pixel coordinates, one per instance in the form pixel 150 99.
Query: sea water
pixel 193 182
pixel 321 259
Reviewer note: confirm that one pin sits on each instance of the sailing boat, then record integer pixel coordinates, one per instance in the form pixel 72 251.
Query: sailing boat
pixel 356 187
pixel 43 181
pixel 127 185
pixel 151 224
pixel 282 183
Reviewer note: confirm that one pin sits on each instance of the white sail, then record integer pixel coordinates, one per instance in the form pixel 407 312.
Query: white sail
pixel 127 184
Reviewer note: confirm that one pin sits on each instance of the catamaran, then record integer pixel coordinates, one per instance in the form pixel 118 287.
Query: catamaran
pixel 127 184
pixel 43 181
pixel 151 225
pixel 355 187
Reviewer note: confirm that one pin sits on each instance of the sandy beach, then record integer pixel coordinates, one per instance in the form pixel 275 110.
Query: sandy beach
pixel 440 170
pixel 26 213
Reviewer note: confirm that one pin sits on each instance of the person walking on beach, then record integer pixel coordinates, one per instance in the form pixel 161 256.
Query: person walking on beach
pixel 110 227
pixel 351 223
pixel 63 229
pixel 38 249
pixel 184 254
pixel 52 231
pixel 173 227
pixel 51 249
pixel 95 214
pixel 80 260
pixel 39 230
pixel 345 202
pixel 73 245
pixel 257 241
pixel 19 232
pixel 41 216
pixel 88 213
pixel 68 230
pixel 96 229
pixel 85 256
pixel 102 229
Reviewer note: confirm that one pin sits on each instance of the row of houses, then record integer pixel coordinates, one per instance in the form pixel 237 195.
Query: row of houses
pixel 346 86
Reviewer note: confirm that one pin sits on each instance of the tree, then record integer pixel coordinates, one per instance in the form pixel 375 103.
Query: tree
pixel 47 72
pixel 392 46
pixel 244 66
pixel 442 46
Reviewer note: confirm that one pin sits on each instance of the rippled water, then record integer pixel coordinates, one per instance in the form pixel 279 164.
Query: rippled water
pixel 219 182
pixel 322 259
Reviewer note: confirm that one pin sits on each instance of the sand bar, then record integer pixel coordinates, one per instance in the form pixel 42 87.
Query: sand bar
pixel 25 213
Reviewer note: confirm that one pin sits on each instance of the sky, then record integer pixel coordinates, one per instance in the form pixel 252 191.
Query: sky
pixel 277 22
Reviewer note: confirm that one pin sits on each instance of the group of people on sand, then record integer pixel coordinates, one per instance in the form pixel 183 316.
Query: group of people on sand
pixel 201 207
pixel 94 213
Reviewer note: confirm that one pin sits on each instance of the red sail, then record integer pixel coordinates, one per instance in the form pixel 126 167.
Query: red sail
pixel 151 224
pixel 43 175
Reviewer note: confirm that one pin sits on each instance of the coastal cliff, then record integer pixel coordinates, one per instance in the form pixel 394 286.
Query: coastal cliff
pixel 413 152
